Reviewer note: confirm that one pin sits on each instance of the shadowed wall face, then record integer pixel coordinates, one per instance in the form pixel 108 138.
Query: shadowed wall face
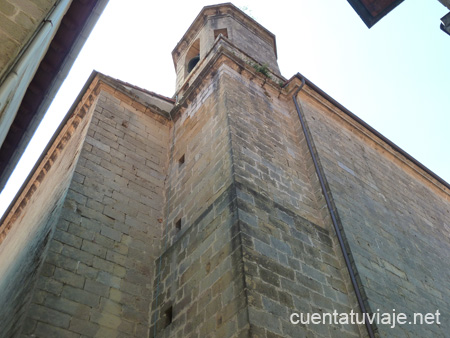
pixel 201 274
pixel 96 278
pixel 27 230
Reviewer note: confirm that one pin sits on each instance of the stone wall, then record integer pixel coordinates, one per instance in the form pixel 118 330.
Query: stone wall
pixel 291 259
pixel 201 290
pixel 26 231
pixel 206 218
pixel 243 37
pixel 395 216
pixel 201 272
pixel 255 242
pixel 201 140
pixel 96 280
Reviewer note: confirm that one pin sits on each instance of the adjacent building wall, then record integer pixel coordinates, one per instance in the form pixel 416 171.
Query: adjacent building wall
pixel 446 3
pixel 18 22
pixel 41 40
pixel 25 26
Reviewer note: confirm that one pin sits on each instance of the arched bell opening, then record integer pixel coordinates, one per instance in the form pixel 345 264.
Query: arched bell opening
pixel 192 56
pixel 192 63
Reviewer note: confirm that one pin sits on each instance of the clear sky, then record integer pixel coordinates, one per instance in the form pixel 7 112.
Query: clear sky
pixel 395 76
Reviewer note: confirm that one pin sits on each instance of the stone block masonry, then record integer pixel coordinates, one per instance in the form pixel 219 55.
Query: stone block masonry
pixel 200 282
pixel 26 231
pixel 97 278
pixel 244 256
pixel 205 217
pixel 290 265
pixel 395 216
pixel 201 288
pixel 291 260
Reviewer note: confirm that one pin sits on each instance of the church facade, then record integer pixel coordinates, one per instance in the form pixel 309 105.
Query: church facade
pixel 240 207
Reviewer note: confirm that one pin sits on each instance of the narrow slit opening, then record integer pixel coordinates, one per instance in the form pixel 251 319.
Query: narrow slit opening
pixel 167 317
pixel 181 160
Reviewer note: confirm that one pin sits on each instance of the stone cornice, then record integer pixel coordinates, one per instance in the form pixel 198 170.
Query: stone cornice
pixel 52 153
pixel 74 118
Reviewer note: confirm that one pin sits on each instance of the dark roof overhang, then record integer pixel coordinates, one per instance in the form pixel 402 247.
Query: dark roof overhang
pixel 371 11
pixel 75 26
pixel 445 23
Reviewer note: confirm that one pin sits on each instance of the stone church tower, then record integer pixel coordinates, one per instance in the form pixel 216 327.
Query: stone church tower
pixel 222 211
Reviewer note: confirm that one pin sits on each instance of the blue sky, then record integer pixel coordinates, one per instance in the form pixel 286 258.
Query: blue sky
pixel 394 76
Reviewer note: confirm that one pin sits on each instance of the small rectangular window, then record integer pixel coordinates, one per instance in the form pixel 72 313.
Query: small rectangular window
pixel 178 225
pixel 222 31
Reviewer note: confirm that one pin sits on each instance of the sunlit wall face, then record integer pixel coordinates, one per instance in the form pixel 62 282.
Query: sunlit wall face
pixel 390 75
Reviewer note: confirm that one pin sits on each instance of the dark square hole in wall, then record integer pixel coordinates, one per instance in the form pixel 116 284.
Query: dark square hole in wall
pixel 178 225
pixel 167 316
pixel 181 161
pixel 222 31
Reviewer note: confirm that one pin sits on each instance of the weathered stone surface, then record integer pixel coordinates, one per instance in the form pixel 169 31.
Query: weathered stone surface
pixel 210 220
pixel 394 216
pixel 26 232
pixel 95 261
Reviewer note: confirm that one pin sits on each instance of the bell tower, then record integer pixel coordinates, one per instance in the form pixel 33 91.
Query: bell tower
pixel 227 22
pixel 242 198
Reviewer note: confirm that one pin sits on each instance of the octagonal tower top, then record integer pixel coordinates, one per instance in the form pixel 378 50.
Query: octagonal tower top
pixel 229 21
